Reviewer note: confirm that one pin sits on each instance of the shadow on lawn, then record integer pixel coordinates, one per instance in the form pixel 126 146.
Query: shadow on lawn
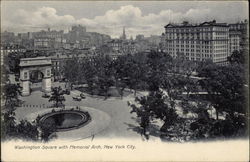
pixel 153 129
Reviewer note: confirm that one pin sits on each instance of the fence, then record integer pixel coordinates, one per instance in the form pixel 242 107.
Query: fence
pixel 36 106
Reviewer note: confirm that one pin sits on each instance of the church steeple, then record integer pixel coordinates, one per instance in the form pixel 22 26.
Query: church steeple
pixel 123 34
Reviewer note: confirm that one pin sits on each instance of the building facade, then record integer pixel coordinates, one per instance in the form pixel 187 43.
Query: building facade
pixel 198 42
pixel 234 41
pixel 48 39
pixel 241 29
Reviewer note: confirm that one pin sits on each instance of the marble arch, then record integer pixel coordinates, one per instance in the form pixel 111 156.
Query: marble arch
pixel 27 65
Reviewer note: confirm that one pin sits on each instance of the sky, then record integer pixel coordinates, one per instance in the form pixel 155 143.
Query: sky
pixel 109 17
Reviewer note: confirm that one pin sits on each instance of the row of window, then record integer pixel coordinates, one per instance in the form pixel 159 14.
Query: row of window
pixel 220 59
pixel 221 55
pixel 196 42
pixel 198 56
pixel 191 50
pixel 169 46
pixel 220 50
pixel 196 34
pixel 202 29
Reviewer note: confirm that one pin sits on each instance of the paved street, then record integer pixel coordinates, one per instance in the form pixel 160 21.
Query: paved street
pixel 121 119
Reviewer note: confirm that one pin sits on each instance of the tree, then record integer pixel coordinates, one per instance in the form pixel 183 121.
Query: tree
pixel 10 94
pixel 237 57
pixel 104 74
pixel 158 64
pixel 27 130
pixel 120 73
pixel 12 61
pixel 137 72
pixel 8 124
pixel 226 87
pixel 11 129
pixel 89 73
pixel 122 68
pixel 47 130
pixel 71 71
pixel 154 106
pixel 57 96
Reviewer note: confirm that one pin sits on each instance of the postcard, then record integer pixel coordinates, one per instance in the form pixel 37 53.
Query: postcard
pixel 124 81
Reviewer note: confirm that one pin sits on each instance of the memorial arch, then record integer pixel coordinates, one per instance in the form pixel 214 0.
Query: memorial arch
pixel 33 70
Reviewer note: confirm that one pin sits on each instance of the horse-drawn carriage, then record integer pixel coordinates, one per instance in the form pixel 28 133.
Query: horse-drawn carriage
pixel 77 98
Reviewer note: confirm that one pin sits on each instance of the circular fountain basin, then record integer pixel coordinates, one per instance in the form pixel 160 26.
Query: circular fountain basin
pixel 66 120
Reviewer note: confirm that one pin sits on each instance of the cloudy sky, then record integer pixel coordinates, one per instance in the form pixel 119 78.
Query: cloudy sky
pixel 146 17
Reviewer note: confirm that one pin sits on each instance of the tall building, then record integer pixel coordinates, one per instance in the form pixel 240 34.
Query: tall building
pixel 198 42
pixel 77 33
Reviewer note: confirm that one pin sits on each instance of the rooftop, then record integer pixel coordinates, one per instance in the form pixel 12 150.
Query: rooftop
pixel 37 61
pixel 187 24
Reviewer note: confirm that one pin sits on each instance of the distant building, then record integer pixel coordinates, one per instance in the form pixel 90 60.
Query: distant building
pixel 7 49
pixel 48 39
pixel 154 39
pixel 145 44
pixel 77 33
pixel 122 46
pixel 198 42
pixel 97 39
pixel 128 47
pixel 139 37
pixel 43 43
pixel 8 38
pixel 116 45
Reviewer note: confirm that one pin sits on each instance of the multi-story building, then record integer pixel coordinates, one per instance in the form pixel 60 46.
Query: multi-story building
pixel 241 30
pixel 122 46
pixel 6 49
pixel 8 38
pixel 49 39
pixel 116 45
pixel 128 47
pixel 76 33
pixel 49 34
pixel 79 34
pixel 234 41
pixel 43 43
pixel 197 42
pixel 97 39
pixel 154 40
pixel 71 45
pixel 59 60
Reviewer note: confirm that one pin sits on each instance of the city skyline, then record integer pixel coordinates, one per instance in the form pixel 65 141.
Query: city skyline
pixel 109 18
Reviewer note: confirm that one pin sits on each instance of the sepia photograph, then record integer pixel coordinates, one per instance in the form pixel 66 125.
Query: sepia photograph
pixel 124 80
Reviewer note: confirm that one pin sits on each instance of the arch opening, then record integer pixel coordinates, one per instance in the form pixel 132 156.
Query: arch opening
pixel 36 76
